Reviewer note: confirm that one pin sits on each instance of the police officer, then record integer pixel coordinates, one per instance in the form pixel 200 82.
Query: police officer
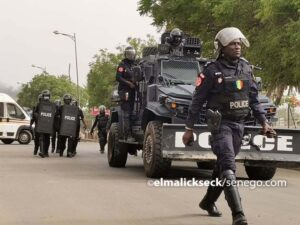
pixel 75 140
pixel 44 138
pixel 62 140
pixel 176 42
pixel 54 136
pixel 127 89
pixel 34 120
pixel 230 91
pixel 101 121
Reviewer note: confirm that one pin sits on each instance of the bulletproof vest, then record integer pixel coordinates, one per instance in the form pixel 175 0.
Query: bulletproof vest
pixel 127 74
pixel 230 94
pixel 45 117
pixel 102 122
pixel 68 120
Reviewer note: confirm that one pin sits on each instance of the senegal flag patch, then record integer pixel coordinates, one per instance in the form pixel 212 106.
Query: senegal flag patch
pixel 239 84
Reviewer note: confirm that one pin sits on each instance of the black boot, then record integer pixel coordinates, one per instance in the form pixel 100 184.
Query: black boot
pixel 233 199
pixel 35 150
pixel 212 194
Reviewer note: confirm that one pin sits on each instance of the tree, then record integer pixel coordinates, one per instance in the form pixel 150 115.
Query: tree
pixel 57 85
pixel 272 27
pixel 101 77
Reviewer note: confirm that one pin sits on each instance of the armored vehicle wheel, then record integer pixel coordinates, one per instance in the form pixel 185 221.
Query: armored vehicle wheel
pixel 260 173
pixel 154 164
pixel 117 152
pixel 150 51
pixel 206 165
pixel 25 137
pixel 7 141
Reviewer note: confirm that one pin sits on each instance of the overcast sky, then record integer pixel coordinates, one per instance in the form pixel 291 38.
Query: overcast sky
pixel 27 37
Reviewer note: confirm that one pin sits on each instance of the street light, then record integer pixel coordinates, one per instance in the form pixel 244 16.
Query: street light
pixel 39 67
pixel 73 38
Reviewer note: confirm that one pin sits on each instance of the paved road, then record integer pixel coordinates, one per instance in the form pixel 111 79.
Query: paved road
pixel 85 191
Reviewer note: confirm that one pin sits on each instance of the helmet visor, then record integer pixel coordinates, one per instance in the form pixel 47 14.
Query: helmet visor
pixel 130 54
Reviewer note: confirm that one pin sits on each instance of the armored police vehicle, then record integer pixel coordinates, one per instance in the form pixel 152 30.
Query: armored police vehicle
pixel 161 107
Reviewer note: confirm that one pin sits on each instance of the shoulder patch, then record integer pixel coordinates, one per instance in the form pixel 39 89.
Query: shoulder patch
pixel 121 69
pixel 199 80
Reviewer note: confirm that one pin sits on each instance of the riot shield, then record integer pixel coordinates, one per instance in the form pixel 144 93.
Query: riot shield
pixel 45 120
pixel 69 120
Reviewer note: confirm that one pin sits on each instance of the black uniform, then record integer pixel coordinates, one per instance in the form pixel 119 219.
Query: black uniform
pixel 44 138
pixel 230 89
pixel 101 123
pixel 62 140
pixel 127 94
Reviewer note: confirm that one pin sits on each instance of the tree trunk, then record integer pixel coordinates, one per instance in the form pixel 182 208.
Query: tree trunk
pixel 279 93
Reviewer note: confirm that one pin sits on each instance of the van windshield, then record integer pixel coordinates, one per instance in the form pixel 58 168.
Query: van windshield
pixel 14 111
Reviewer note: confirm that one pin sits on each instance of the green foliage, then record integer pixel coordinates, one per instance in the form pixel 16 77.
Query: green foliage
pixel 101 77
pixel 57 85
pixel 272 27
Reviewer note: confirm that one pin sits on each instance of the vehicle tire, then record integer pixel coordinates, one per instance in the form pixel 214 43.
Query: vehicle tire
pixel 25 137
pixel 7 141
pixel 260 173
pixel 154 164
pixel 206 165
pixel 116 151
pixel 149 51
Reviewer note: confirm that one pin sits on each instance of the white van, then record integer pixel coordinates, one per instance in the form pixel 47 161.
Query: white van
pixel 14 122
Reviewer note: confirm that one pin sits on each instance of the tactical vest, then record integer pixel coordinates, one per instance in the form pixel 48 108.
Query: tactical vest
pixel 102 122
pixel 230 94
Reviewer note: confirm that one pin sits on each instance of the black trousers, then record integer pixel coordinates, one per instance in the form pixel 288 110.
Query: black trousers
pixel 226 144
pixel 62 142
pixel 44 143
pixel 102 135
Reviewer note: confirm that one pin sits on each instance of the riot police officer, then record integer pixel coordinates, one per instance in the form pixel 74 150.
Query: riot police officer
pixel 45 111
pixel 230 91
pixel 101 121
pixel 62 139
pixel 175 42
pixel 127 89
pixel 34 120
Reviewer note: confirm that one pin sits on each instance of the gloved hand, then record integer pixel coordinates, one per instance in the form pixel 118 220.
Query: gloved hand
pixel 131 85
pixel 188 137
pixel 268 130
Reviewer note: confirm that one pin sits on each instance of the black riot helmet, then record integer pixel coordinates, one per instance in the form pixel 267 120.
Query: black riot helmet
pixel 74 102
pixel 176 37
pixel 57 102
pixel 46 95
pixel 40 97
pixel 67 99
pixel 130 53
